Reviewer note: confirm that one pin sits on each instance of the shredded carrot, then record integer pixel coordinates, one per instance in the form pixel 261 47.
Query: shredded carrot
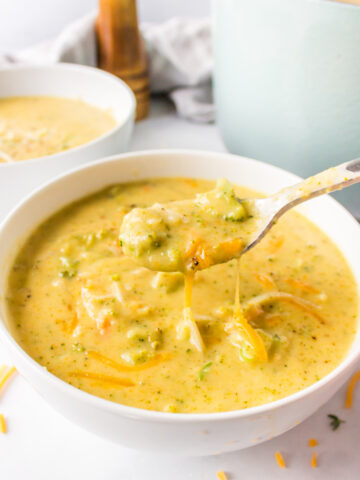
pixel 2 424
pixel 197 255
pixel 106 324
pixel 266 281
pixel 280 460
pixel 264 298
pixel 231 247
pixel 350 389
pixel 276 244
pixel 161 357
pixel 221 475
pixel 241 324
pixel 305 287
pixel 306 306
pixel 314 460
pixel 313 442
pixel 123 382
pixel 250 335
pixel 192 246
pixel 6 376
pixel 69 327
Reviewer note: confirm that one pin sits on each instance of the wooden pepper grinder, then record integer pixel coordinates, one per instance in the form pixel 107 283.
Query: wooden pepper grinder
pixel 121 50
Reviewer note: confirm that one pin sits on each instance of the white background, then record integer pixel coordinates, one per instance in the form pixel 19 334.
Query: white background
pixel 40 444
pixel 23 22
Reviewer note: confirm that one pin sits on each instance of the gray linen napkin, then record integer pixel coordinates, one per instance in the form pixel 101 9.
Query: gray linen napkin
pixel 179 51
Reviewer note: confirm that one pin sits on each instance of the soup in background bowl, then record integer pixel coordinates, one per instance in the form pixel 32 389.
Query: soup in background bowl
pixel 77 271
pixel 38 126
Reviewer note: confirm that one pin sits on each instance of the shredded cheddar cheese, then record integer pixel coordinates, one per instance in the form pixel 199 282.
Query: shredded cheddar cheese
pixel 264 298
pixel 161 357
pixel 70 326
pixel 350 389
pixel 6 376
pixel 305 287
pixel 197 256
pixel 276 244
pixel 241 324
pixel 2 424
pixel 97 377
pixel 266 281
pixel 188 321
pixel 231 248
pixel 280 460
pixel 221 475
pixel 313 442
pixel 314 460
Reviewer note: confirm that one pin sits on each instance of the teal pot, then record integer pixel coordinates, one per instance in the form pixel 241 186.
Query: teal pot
pixel 287 83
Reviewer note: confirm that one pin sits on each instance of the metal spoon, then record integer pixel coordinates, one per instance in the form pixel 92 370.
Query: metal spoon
pixel 268 210
pixel 155 235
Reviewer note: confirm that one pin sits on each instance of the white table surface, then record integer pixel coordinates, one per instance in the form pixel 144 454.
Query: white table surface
pixel 42 445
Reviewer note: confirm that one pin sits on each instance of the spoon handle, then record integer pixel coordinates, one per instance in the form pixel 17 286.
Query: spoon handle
pixel 335 178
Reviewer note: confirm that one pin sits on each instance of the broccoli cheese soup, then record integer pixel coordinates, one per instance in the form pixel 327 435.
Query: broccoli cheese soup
pixel 110 326
pixel 32 127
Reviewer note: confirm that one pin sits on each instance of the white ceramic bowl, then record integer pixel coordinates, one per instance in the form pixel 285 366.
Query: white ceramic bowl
pixel 95 87
pixel 185 434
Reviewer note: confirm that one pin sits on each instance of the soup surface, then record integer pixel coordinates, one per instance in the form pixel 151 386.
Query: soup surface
pixel 96 319
pixel 32 127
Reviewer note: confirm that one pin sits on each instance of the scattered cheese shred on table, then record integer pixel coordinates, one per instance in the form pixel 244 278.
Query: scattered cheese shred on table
pixel 314 460
pixel 280 460
pixel 350 389
pixel 313 442
pixel 221 475
pixel 6 376
pixel 2 424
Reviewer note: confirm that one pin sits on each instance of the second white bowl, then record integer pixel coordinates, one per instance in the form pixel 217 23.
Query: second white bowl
pixel 91 85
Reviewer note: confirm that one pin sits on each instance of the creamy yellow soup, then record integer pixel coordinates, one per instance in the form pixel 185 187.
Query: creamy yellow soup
pixel 95 318
pixel 32 127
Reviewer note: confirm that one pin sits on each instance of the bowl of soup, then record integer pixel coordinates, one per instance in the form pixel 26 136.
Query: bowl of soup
pixel 102 338
pixel 56 117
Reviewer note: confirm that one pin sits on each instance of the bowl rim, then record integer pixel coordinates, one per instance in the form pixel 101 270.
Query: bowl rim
pixel 73 67
pixel 336 3
pixel 140 414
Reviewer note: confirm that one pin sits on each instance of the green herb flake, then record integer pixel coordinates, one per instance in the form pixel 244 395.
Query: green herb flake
pixel 335 421
pixel 205 369
pixel 68 273
pixel 77 347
